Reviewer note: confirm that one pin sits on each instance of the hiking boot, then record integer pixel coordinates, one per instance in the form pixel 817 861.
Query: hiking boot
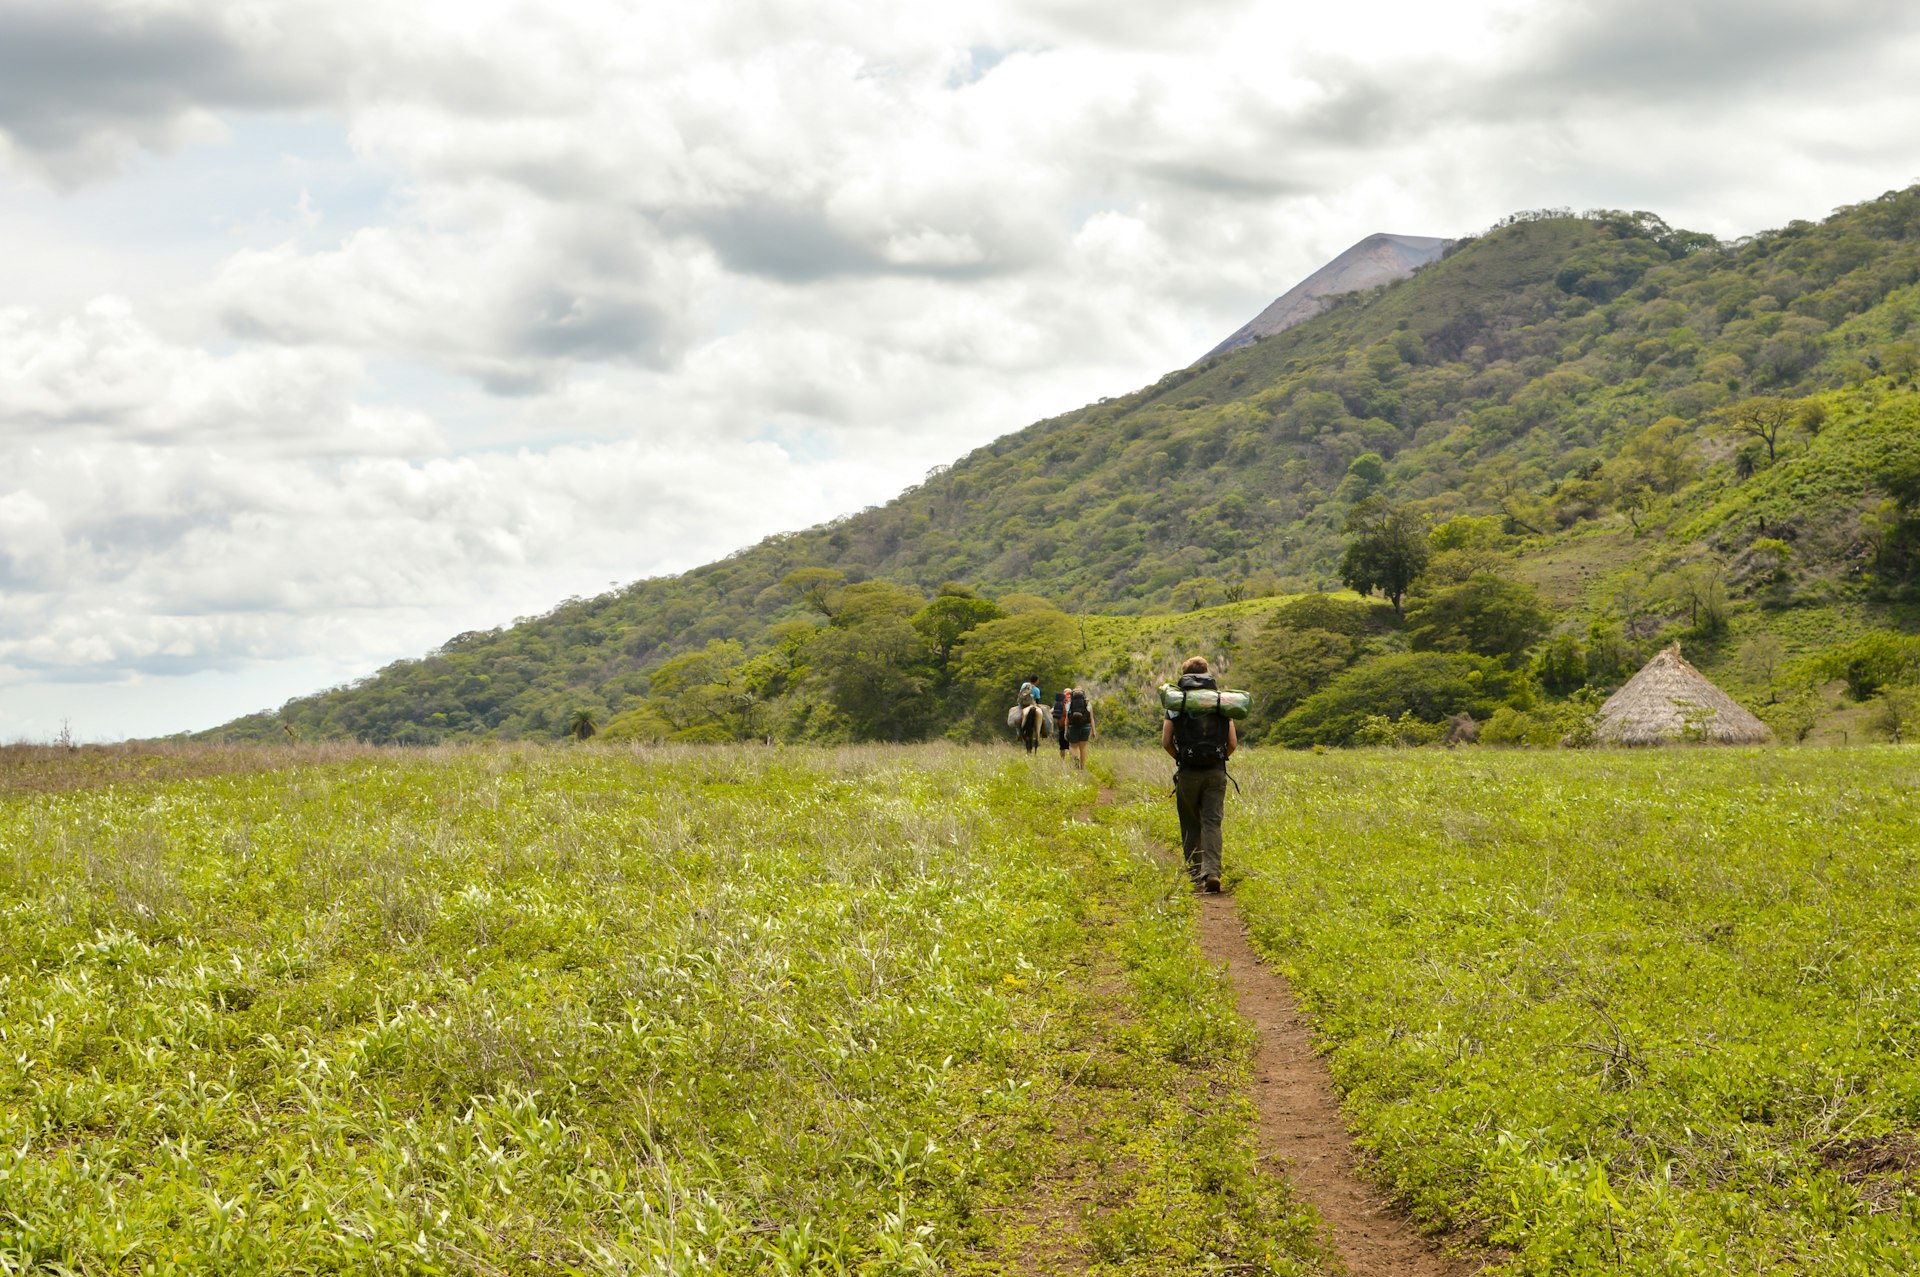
pixel 1213 886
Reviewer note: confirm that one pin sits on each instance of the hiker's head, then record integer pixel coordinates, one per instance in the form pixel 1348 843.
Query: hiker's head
pixel 1195 665
pixel 1033 678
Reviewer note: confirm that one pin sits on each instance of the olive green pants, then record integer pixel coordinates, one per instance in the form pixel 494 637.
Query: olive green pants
pixel 1200 795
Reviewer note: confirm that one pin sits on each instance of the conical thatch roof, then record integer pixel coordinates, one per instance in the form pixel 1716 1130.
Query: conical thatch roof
pixel 1670 702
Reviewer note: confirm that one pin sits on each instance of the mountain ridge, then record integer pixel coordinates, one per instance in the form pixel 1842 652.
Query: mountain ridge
pixel 1562 376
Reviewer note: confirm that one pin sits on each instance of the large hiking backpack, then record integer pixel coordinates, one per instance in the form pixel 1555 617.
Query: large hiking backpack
pixel 1077 713
pixel 1200 737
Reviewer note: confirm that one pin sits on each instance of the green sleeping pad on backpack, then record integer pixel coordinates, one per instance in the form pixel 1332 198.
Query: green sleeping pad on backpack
pixel 1204 700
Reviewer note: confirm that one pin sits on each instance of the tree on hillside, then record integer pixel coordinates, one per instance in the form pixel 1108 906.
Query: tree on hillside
pixel 1350 617
pixel 1560 664
pixel 869 600
pixel 1701 588
pixel 943 622
pixel 1388 550
pixel 1896 715
pixel 1875 660
pixel 873 664
pixel 1020 603
pixel 1610 658
pixel 1762 417
pixel 1365 473
pixel 1631 500
pixel 876 671
pixel 637 723
pixel 1892 531
pixel 1900 361
pixel 1762 658
pixel 696 689
pixel 1464 547
pixel 580 724
pixel 1197 592
pixel 818 588
pixel 1511 486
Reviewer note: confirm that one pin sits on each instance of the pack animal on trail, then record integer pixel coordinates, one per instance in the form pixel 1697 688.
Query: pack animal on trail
pixel 1028 717
pixel 1031 723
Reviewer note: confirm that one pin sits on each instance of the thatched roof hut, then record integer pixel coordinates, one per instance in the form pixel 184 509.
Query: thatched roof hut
pixel 1670 702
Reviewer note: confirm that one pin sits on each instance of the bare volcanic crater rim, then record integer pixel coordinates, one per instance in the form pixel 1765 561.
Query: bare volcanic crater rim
pixel 1375 260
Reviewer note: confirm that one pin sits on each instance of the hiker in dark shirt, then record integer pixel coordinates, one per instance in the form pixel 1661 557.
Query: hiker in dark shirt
pixel 1060 721
pixel 1078 728
pixel 1199 749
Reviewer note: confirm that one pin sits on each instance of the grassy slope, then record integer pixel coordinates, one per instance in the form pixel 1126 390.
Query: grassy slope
pixel 1501 371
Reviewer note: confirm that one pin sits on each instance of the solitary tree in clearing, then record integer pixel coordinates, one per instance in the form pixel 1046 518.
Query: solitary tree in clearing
pixel 1388 550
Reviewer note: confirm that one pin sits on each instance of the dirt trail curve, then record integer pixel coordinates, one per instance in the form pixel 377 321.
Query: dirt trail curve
pixel 1300 1120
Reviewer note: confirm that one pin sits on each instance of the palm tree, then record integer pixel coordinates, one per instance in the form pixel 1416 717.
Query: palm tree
pixel 580 724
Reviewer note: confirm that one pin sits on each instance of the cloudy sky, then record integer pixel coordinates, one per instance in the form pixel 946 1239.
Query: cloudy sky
pixel 332 328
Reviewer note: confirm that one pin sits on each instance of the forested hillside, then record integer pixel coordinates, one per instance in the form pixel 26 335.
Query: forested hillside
pixel 1634 432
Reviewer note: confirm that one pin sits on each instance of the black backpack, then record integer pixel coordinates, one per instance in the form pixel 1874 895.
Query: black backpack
pixel 1199 739
pixel 1077 709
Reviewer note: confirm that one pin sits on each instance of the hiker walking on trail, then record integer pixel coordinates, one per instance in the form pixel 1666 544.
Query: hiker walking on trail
pixel 1200 744
pixel 1078 729
pixel 1060 721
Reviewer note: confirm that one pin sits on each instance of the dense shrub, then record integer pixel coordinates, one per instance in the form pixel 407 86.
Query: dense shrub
pixel 1486 615
pixel 1874 661
pixel 1287 666
pixel 1429 685
pixel 1351 617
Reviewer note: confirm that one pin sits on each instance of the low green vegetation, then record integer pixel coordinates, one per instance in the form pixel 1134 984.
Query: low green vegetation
pixel 1649 1012
pixel 586 1010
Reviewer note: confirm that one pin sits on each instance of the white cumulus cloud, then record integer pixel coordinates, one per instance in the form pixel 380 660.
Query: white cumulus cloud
pixel 393 319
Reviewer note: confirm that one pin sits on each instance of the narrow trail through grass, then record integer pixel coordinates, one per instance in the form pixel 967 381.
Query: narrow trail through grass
pixel 1298 1119
pixel 1141 1152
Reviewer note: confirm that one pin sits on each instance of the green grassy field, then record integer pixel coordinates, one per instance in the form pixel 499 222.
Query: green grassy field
pixel 758 1011
pixel 1611 1012
pixel 939 1010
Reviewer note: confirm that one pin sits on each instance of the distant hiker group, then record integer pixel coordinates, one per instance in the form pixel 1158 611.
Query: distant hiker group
pixel 1069 719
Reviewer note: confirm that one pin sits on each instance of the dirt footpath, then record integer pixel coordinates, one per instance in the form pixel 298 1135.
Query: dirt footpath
pixel 1300 1121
